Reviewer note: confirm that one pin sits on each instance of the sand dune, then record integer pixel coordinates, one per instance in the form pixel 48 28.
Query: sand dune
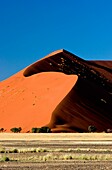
pixel 61 91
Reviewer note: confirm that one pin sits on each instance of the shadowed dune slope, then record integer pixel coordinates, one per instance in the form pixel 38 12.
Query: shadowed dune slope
pixel 61 91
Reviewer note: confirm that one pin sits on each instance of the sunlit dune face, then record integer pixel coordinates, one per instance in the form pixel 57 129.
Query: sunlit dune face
pixel 30 101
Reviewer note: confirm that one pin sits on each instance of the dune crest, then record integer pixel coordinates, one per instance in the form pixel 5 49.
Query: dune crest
pixel 61 91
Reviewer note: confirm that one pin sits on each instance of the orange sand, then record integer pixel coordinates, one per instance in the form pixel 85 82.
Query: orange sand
pixel 29 102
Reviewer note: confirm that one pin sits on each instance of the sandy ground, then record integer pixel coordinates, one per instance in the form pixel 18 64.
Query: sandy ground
pixel 56 141
pixel 85 165
pixel 58 136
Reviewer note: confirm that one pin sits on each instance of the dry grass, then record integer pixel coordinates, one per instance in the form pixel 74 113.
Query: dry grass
pixel 42 150
pixel 58 157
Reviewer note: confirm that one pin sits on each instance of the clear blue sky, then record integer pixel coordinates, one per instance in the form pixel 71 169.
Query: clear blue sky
pixel 31 29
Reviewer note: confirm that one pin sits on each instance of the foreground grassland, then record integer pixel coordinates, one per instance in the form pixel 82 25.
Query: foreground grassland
pixel 55 151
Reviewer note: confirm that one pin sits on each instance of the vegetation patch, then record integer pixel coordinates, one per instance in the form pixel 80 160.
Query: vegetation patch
pixel 16 130
pixel 70 150
pixel 41 130
pixel 4 159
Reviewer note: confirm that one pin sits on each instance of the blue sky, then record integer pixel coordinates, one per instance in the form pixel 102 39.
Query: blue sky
pixel 31 29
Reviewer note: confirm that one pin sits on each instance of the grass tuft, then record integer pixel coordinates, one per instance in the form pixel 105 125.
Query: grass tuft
pixel 5 159
pixel 41 150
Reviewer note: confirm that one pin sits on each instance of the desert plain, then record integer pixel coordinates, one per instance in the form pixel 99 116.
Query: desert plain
pixel 57 151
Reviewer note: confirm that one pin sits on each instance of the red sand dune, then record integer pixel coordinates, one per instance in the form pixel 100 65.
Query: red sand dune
pixel 61 91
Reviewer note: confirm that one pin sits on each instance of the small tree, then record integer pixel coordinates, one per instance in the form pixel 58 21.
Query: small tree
pixel 16 130
pixel 45 129
pixel 34 130
pixel 1 129
pixel 41 130
pixel 13 130
pixel 92 128
pixel 19 129
pixel 38 130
